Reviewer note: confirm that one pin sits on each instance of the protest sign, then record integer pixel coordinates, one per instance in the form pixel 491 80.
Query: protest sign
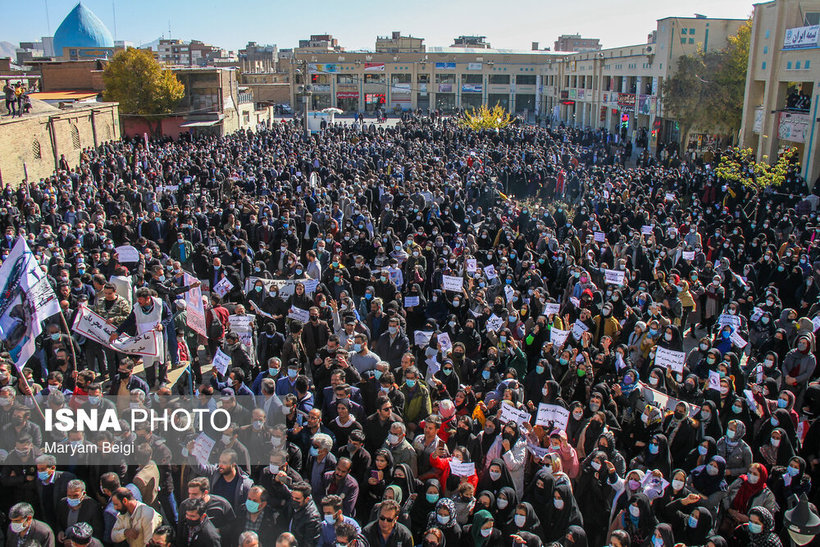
pixel 223 287
pixel 646 229
pixel 600 237
pixel 509 413
pixel 202 448
pixel 195 315
pixel 422 338
pixel 452 283
pixel 551 308
pixel 614 277
pixel 489 271
pixel 444 342
pixel 127 254
pixel 460 469
pixel 578 329
pixel 714 380
pixel 738 340
pixel 221 361
pixel 494 323
pixel 558 415
pixel 472 265
pixel 558 337
pixel 688 255
pixel 670 359
pixel 411 301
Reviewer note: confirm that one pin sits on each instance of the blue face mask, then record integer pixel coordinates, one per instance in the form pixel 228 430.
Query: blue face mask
pixel 693 522
pixel 292 373
pixel 653 332
pixel 737 409
pixel 793 471
pixel 410 383
pixel 313 451
pixel 432 498
pixel 657 542
pixel 653 448
pixel 72 502
pixel 485 374
pixel 273 371
pixel 563 361
pixel 377 374
pixel 755 528
pixel 702 450
pixel 252 506
pixel 357 348
pixel 42 475
pixel 539 369
pixel 781 403
pixel 725 334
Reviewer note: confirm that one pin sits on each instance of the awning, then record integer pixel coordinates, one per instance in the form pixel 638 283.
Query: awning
pixel 208 123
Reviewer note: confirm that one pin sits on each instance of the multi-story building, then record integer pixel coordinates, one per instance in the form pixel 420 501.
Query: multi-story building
pixel 781 105
pixel 620 88
pixel 194 53
pixel 396 43
pixel 319 43
pixel 574 42
pixel 256 59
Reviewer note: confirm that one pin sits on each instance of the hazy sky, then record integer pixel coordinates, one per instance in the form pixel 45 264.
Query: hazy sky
pixel 357 22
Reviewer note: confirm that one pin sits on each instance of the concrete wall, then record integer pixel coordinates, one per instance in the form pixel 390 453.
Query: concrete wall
pixel 73 75
pixel 30 147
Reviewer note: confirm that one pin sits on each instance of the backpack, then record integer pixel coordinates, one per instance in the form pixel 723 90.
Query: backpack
pixel 216 330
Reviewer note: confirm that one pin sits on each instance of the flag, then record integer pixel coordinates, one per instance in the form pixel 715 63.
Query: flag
pixel 26 300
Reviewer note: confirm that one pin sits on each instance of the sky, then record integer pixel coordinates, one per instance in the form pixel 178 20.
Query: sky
pixel 356 23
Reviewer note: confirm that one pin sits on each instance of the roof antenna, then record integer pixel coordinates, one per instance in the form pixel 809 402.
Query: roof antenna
pixel 114 9
pixel 48 21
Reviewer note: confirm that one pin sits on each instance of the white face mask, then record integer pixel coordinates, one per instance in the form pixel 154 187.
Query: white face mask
pixel 753 479
pixel 595 465
pixel 677 484
pixel 520 520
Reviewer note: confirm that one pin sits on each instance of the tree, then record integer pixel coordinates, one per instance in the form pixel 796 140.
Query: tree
pixel 486 118
pixel 142 87
pixel 707 90
pixel 738 165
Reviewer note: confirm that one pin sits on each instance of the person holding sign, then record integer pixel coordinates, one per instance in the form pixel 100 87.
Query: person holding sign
pixel 149 314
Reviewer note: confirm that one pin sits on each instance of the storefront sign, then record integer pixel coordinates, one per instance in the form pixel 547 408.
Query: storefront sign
pixel 445 88
pixel 313 67
pixel 401 88
pixel 471 88
pixel 802 37
pixel 445 66
pixel 374 67
pixel 347 94
pixel 626 100
pixel 474 66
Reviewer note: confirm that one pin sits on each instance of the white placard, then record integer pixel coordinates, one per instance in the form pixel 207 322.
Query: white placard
pixel 537 451
pixel 490 272
pixel 452 283
pixel 578 329
pixel 757 313
pixel 670 359
pixel 614 277
pixel 127 254
pixel 472 265
pixel 494 323
pixel 242 325
pixel 738 340
pixel 509 292
pixel 646 229
pixel 195 318
pixel 445 342
pixel 551 308
pixel 688 255
pixel 221 361
pixel 299 314
pixel 670 196
pixel 600 237
pixel 410 301
pixel 816 322
pixel 714 380
pixel 558 337
pixel 575 301
pixel 460 469
pixel 433 366
pixel 750 398
pixel 422 337
pixel 729 319
pixel 511 414
pixel 202 448
pixel 558 415
pixel 223 287
pixel 664 401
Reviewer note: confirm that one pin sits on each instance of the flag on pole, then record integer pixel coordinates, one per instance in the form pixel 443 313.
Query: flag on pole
pixel 26 300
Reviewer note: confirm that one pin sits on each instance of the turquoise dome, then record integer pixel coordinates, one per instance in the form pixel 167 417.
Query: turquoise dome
pixel 82 29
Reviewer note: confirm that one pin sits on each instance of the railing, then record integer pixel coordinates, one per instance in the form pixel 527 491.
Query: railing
pixel 245 98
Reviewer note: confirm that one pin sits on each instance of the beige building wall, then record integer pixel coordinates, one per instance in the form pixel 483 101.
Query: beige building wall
pixel 768 127
pixel 30 147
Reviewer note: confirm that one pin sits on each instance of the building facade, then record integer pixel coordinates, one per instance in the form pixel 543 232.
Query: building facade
pixel 575 43
pixel 781 105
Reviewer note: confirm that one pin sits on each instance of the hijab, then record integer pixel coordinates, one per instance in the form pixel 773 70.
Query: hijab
pixel 707 484
pixel 748 491
pixel 479 520
pixel 766 537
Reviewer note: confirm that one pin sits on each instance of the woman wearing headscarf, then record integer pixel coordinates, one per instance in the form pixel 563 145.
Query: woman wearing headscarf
pixel 673 499
pixel 484 440
pixel 444 518
pixel 381 474
pixel 424 504
pixel 590 434
pixel 701 454
pixel 539 494
pixel 637 520
pixel 564 513
pixel 594 492
pixel 760 529
pixel 663 536
pixel 708 481
pixel 790 480
pixel 511 449
pixel 709 421
pixel 392 492
pixel 694 527
pixel 654 456
pixel 779 451
pixel 681 430
pixel 482 532
pixel 495 477
pixel 749 490
pixel 576 423
pixel 732 448
pixel 689 390
pixel 647 423
pixel 505 504
pixel 576 537
pixel 523 519
pixel 404 478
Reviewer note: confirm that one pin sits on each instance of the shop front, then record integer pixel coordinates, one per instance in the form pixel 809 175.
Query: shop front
pixel 372 101
pixel 348 101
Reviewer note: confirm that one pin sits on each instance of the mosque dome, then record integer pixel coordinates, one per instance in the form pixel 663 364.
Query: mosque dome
pixel 82 29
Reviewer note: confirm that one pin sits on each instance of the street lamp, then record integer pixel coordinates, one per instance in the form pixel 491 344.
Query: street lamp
pixel 802 523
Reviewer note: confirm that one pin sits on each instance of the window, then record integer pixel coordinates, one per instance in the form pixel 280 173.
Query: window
pixel 812 18
pixel 765 50
pixel 684 31
pixel 472 79
pixel 807 64
pixel 75 137
pixel 35 150
pixel 692 31
pixel 691 40
pixel 764 65
pixel 767 34
pixel 345 79
pixel 445 78
pixel 789 65
pixel 797 65
pixel 683 41
pixel 525 79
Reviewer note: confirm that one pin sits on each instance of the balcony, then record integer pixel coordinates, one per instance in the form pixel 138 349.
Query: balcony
pixel 245 98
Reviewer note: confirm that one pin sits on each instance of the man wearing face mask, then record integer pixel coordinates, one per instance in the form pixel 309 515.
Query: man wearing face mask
pixel 78 507
pixel 23 528
pixel 254 515
pixel 197 530
pixel 332 511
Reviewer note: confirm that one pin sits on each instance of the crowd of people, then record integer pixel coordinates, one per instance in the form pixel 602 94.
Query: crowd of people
pixel 444 337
